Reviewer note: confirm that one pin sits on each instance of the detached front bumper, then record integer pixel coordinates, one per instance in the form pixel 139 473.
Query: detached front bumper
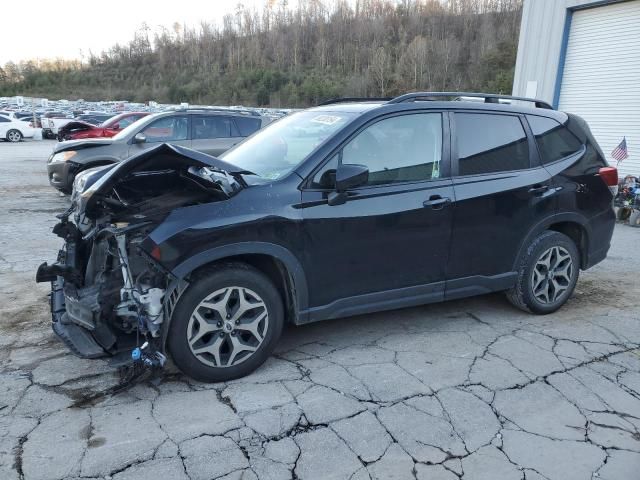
pixel 78 339
pixel 71 319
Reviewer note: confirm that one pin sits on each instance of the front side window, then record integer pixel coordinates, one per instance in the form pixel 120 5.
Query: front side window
pixel 489 143
pixel 554 140
pixel 167 129
pixel 405 148
pixel 213 127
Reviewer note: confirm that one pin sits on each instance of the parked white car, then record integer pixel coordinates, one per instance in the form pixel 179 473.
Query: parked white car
pixel 51 126
pixel 13 130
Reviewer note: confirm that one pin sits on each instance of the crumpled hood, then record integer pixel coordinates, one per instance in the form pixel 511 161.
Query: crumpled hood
pixel 163 157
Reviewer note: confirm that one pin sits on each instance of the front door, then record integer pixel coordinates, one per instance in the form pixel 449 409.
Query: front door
pixel 501 193
pixel 387 246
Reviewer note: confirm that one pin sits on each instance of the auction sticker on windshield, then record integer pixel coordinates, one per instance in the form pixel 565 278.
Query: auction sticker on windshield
pixel 326 119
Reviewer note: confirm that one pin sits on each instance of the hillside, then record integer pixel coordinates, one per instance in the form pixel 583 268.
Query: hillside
pixel 283 56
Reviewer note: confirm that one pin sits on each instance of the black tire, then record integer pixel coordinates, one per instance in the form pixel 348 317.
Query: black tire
pixel 14 136
pixel 223 277
pixel 522 295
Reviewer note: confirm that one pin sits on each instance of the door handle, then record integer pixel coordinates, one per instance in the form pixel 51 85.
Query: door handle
pixel 538 189
pixel 436 202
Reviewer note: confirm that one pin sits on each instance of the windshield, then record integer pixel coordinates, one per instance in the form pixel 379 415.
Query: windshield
pixel 277 149
pixel 124 133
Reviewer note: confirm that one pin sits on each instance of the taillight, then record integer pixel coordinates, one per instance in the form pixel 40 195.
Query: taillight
pixel 609 176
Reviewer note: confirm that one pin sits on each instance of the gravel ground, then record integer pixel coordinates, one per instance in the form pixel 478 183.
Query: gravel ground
pixel 469 389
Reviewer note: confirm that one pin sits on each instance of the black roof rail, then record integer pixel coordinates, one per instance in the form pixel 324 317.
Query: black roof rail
pixel 354 99
pixel 488 98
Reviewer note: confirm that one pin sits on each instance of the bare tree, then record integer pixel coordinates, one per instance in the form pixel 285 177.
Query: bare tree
pixel 380 68
pixel 294 53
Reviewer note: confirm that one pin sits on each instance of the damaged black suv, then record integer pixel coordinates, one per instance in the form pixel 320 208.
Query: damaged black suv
pixel 343 209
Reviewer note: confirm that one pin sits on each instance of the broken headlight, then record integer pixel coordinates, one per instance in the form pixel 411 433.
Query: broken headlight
pixel 86 178
pixel 80 182
pixel 63 156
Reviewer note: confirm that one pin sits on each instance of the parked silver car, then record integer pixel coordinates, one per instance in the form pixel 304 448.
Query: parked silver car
pixel 207 130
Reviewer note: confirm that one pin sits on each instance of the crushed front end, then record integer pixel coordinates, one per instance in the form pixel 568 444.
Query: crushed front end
pixel 109 296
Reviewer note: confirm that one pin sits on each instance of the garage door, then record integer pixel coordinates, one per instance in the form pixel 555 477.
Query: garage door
pixel 601 80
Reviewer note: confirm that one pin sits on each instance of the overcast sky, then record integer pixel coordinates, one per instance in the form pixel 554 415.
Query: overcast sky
pixel 61 28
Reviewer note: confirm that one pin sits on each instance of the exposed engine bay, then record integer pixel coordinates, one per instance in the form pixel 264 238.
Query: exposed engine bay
pixel 109 296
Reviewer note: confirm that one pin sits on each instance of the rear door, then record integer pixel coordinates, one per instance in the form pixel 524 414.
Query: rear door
pixel 214 134
pixel 173 129
pixel 501 192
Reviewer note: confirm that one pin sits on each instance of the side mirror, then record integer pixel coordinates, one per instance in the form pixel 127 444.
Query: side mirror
pixel 139 138
pixel 347 176
pixel 115 127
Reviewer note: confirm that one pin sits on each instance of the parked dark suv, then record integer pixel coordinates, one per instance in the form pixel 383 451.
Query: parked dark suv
pixel 211 131
pixel 344 209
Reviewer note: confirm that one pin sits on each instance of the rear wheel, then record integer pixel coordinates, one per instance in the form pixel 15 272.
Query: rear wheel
pixel 14 136
pixel 226 323
pixel 547 274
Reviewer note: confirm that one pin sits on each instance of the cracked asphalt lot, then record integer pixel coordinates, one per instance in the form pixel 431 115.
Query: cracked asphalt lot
pixel 469 389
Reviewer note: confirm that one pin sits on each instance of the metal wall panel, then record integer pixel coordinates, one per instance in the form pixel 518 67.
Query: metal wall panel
pixel 583 56
pixel 601 78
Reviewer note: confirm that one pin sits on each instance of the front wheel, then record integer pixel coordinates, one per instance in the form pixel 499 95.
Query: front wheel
pixel 547 274
pixel 226 324
pixel 14 136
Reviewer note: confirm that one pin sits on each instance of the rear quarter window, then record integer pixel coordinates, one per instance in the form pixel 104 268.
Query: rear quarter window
pixel 247 125
pixel 554 140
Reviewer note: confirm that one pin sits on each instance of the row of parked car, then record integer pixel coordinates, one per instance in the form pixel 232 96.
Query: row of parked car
pixel 64 120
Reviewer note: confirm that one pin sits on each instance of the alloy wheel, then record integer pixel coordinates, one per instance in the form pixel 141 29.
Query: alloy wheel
pixel 13 136
pixel 227 327
pixel 552 275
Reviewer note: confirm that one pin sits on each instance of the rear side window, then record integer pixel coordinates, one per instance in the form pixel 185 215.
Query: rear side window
pixel 490 143
pixel 4 119
pixel 248 125
pixel 213 127
pixel 554 140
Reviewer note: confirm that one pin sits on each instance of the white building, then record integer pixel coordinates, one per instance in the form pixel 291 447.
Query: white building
pixel 583 57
